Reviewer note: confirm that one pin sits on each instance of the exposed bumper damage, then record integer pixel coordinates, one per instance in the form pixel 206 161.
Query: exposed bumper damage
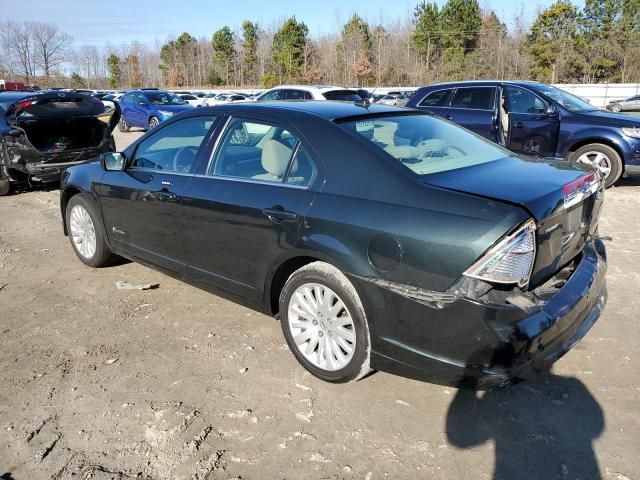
pixel 39 146
pixel 471 335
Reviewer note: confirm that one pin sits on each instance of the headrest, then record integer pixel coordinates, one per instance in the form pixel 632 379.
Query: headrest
pixel 275 158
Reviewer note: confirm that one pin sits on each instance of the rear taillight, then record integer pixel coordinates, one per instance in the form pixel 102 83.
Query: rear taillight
pixel 24 104
pixel 511 260
pixel 576 191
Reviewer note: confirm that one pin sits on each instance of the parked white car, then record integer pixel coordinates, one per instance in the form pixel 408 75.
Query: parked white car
pixel 217 99
pixel 190 99
pixel 308 92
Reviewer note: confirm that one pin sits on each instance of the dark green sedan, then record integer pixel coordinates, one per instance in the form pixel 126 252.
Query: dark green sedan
pixel 381 238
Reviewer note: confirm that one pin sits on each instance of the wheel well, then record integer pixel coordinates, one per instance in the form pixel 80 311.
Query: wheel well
pixel 66 196
pixel 603 141
pixel 281 276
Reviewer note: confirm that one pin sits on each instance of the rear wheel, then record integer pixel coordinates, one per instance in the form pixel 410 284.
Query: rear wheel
pixel 616 107
pixel 87 236
pixel 324 323
pixel 153 122
pixel 122 124
pixel 603 157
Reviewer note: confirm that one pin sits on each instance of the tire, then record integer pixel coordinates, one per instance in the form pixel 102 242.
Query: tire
pixel 616 107
pixel 598 154
pixel 321 331
pixel 122 124
pixel 153 122
pixel 98 256
pixel 5 188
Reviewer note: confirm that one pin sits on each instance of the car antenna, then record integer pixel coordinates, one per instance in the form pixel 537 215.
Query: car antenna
pixel 366 103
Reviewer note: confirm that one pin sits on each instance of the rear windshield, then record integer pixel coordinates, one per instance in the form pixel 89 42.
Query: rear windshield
pixel 342 95
pixel 426 144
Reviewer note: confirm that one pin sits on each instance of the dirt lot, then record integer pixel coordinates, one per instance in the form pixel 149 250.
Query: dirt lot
pixel 178 383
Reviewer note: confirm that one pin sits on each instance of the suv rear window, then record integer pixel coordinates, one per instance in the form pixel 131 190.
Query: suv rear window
pixel 342 95
pixel 476 98
pixel 425 144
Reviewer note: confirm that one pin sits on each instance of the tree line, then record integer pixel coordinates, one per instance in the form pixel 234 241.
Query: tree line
pixel 562 44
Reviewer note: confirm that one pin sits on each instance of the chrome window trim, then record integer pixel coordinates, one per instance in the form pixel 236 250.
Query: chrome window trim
pixel 252 181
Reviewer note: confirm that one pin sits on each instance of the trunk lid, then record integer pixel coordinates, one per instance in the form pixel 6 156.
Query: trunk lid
pixel 542 187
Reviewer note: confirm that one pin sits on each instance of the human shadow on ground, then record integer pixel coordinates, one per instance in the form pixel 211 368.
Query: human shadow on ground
pixel 542 429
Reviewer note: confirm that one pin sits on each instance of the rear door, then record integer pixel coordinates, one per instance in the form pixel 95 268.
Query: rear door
pixel 475 108
pixel 246 209
pixel 141 205
pixel 531 129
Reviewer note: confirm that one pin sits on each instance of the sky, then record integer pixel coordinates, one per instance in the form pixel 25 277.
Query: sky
pixel 114 22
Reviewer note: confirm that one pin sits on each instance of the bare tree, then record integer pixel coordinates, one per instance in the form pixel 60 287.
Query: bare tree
pixel 17 42
pixel 50 44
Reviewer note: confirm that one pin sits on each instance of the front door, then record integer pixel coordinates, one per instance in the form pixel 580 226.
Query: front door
pixel 141 205
pixel 247 209
pixel 531 128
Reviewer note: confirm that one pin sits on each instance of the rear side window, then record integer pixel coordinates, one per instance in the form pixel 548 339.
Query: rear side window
pixel 174 147
pixel 435 99
pixel 342 95
pixel 476 98
pixel 295 95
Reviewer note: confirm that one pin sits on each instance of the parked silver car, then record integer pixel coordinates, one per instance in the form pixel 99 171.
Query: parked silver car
pixel 627 105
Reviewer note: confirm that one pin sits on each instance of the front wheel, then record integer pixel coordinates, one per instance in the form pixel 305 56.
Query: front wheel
pixel 324 323
pixel 5 188
pixel 153 122
pixel 122 124
pixel 616 107
pixel 87 236
pixel 603 157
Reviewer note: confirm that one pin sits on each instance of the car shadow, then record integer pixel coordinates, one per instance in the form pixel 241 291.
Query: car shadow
pixel 17 189
pixel 6 476
pixel 630 181
pixel 542 429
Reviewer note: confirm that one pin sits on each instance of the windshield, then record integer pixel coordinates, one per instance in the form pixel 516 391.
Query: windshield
pixel 164 98
pixel 568 101
pixel 426 144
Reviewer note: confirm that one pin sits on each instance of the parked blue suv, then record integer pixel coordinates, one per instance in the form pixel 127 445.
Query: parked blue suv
pixel 538 119
pixel 148 108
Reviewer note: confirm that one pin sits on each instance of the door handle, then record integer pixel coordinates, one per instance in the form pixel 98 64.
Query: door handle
pixel 518 125
pixel 278 214
pixel 449 117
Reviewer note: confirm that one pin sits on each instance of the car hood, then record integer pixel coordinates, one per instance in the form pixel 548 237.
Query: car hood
pixel 601 117
pixel 174 108
pixel 535 184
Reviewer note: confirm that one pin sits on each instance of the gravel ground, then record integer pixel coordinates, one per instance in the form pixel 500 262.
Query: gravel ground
pixel 178 383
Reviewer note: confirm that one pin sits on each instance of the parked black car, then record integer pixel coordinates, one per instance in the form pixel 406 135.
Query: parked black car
pixel 383 238
pixel 538 119
pixel 41 134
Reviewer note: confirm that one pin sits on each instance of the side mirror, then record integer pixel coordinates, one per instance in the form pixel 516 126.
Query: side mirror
pixel 113 161
pixel 143 104
pixel 551 110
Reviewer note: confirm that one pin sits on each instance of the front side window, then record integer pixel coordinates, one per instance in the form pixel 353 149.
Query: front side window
pixel 174 147
pixel 425 144
pixel 435 99
pixel 342 95
pixel 523 101
pixel 261 151
pixel 474 98
pixel 270 96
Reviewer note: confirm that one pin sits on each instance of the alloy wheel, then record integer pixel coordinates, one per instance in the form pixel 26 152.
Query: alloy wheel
pixel 598 160
pixel 321 326
pixel 153 122
pixel 83 232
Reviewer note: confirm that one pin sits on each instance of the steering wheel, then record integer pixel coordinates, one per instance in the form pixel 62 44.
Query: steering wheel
pixel 183 159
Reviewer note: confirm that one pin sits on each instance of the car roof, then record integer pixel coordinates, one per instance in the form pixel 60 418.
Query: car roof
pixel 320 88
pixel 481 83
pixel 329 110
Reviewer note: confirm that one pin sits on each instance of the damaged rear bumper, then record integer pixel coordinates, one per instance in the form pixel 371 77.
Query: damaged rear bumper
pixel 482 344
